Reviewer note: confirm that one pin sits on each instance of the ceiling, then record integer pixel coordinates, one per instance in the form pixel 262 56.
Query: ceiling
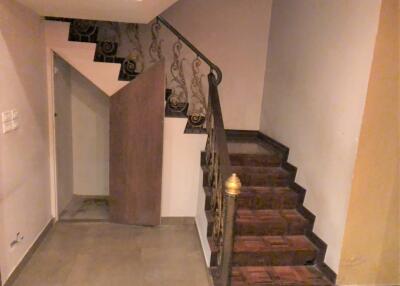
pixel 131 11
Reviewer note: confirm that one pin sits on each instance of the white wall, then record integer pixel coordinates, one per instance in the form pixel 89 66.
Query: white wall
pixel 233 34
pixel 24 153
pixel 90 136
pixel 181 169
pixel 64 149
pixel 318 64
pixel 82 135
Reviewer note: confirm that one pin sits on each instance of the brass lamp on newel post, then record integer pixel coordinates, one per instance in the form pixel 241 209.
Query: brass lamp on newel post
pixel 232 191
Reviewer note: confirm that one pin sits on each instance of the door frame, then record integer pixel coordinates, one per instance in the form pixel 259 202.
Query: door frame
pixel 52 132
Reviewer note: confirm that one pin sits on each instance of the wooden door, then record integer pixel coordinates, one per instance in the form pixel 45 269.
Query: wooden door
pixel 136 144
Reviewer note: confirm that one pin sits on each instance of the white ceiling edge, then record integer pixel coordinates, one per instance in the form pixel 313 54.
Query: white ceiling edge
pixel 129 11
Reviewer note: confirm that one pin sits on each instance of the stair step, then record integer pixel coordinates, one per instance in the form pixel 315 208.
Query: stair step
pixel 271 250
pixel 270 222
pixel 258 176
pixel 263 176
pixel 278 275
pixel 262 198
pixel 266 222
pixel 239 159
pixel 250 146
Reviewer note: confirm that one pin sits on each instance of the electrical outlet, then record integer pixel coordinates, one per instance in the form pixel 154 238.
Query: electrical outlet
pixel 19 238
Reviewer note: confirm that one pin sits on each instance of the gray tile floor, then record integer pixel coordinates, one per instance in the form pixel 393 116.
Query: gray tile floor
pixel 105 254
pixel 86 208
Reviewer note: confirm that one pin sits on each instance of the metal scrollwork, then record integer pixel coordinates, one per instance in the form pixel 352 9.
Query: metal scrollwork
pixel 108 48
pixel 110 32
pixel 178 100
pixel 136 50
pixel 197 109
pixel 215 182
pixel 83 31
pixel 155 49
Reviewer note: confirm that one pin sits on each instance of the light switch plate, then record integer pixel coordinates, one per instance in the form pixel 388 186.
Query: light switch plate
pixel 14 124
pixel 6 116
pixel 14 114
pixel 8 126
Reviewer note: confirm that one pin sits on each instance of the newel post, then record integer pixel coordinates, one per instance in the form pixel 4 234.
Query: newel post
pixel 232 190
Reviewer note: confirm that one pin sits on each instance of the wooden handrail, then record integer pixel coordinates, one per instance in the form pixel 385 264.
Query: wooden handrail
pixel 220 134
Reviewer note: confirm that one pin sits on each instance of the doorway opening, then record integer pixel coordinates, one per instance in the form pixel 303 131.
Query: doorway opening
pixel 82 114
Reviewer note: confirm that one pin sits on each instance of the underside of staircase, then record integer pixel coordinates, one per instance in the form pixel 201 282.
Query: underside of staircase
pixel 273 239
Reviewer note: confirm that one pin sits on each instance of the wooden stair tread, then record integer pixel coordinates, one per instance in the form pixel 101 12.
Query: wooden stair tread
pixel 249 146
pixel 278 275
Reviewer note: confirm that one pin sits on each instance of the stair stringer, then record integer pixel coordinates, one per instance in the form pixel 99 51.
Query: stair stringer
pixel 80 56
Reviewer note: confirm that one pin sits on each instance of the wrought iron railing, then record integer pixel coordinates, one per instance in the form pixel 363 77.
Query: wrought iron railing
pixel 213 67
pixel 223 203
pixel 225 185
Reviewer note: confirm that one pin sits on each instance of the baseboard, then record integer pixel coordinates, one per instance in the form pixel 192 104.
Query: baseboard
pixel 284 150
pixel 14 275
pixel 206 262
pixel 329 273
pixel 175 220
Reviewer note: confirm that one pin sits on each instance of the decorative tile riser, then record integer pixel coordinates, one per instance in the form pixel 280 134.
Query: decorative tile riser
pixel 258 180
pixel 271 251
pixel 269 199
pixel 271 227
pixel 319 282
pixel 278 275
pixel 89 38
pixel 274 258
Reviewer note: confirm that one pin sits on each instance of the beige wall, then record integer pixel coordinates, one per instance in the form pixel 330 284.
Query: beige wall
pixel 24 153
pixel 90 136
pixel 181 169
pixel 64 149
pixel 82 135
pixel 233 34
pixel 370 253
pixel 319 58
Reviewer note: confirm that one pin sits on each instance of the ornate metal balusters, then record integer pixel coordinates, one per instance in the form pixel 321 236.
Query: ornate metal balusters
pixel 178 100
pixel 83 31
pixel 136 50
pixel 209 128
pixel 197 106
pixel 155 49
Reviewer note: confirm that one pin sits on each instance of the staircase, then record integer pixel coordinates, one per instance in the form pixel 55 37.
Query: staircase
pixel 273 242
pixel 262 236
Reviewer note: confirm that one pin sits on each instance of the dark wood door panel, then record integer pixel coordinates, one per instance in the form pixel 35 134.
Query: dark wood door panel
pixel 136 145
